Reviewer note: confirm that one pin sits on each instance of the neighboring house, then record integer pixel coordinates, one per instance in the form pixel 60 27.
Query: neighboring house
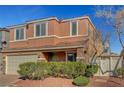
pixel 4 39
pixel 49 39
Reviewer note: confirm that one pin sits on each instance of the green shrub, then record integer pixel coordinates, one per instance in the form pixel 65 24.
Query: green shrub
pixel 40 70
pixel 55 68
pixel 120 72
pixel 81 81
pixel 68 69
pixel 77 70
pixel 27 69
pixel 91 70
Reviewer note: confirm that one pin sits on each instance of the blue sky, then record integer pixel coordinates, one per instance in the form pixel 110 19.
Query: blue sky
pixel 11 15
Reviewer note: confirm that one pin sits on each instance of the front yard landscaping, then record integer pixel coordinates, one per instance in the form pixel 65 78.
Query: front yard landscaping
pixel 75 72
pixel 63 82
pixel 63 74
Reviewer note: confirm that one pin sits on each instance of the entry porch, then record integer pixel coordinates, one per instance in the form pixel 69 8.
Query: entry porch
pixel 60 56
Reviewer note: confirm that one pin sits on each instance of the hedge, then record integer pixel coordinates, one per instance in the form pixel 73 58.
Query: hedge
pixel 41 70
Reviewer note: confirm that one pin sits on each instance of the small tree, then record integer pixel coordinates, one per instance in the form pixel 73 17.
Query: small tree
pixel 97 40
pixel 113 17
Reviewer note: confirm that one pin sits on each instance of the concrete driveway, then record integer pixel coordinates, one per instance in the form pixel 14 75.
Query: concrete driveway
pixel 8 80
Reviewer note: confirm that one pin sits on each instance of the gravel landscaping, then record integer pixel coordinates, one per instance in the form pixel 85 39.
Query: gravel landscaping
pixel 62 82
pixel 106 82
pixel 48 82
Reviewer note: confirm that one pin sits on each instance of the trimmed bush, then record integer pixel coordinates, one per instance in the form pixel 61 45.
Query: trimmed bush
pixel 91 70
pixel 72 69
pixel 81 81
pixel 27 69
pixel 40 70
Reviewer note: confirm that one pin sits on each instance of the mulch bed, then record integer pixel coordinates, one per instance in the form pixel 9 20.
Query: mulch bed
pixel 48 82
pixel 106 82
pixel 62 82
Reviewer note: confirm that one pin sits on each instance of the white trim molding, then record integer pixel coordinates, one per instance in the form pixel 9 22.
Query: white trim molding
pixel 76 28
pixel 47 28
pixel 80 57
pixel 51 36
pixel 16 26
pixel 46 25
pixel 41 58
pixel 19 40
pixel 42 20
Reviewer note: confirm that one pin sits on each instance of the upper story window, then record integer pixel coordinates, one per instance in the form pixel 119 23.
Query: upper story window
pixel 19 34
pixel 74 28
pixel 41 29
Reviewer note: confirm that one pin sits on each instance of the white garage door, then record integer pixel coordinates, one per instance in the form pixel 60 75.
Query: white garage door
pixel 12 62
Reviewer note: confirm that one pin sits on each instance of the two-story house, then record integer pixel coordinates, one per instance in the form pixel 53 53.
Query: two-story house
pixel 48 39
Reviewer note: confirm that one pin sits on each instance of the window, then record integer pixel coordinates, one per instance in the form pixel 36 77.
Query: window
pixel 71 57
pixel 40 29
pixel 19 35
pixel 73 28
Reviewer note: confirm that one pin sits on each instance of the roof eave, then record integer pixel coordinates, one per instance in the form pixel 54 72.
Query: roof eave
pixel 34 21
pixel 16 26
pixel 42 49
pixel 45 19
pixel 78 18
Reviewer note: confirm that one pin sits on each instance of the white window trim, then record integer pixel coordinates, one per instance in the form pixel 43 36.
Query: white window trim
pixel 71 28
pixel 24 34
pixel 35 29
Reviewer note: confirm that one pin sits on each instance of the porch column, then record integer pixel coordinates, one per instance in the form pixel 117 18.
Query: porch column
pixel 66 56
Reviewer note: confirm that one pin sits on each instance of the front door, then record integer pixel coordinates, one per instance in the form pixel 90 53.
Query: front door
pixel 71 57
pixel 52 56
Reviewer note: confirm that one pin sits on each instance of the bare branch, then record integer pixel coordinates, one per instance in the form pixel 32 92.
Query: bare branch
pixel 113 18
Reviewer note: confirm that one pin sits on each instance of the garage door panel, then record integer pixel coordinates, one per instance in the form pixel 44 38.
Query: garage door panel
pixel 13 62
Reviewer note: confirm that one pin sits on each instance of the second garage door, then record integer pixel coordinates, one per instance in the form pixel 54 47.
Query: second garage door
pixel 12 62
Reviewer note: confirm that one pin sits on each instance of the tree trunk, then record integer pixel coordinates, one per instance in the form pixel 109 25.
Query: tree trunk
pixel 93 57
pixel 123 67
